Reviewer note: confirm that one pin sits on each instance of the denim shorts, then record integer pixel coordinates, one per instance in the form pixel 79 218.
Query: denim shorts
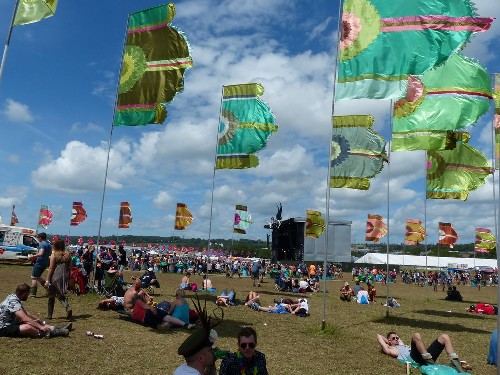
pixel 37 271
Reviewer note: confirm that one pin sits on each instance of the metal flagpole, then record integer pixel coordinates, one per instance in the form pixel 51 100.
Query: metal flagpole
pixel 9 34
pixel 425 214
pixel 109 151
pixel 327 214
pixel 388 213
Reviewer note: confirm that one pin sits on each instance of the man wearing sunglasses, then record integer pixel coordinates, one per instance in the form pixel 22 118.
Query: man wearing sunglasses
pixel 417 353
pixel 246 360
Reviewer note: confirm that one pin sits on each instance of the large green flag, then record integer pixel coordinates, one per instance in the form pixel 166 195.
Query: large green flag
pixel 156 56
pixel 440 101
pixel 358 152
pixel 383 41
pixel 246 124
pixel 454 173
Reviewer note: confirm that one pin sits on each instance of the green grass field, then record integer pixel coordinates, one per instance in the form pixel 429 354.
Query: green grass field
pixel 293 345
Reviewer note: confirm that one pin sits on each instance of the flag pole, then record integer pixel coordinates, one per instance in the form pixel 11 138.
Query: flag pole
pixel 7 42
pixel 425 212
pixel 109 151
pixel 328 177
pixel 388 212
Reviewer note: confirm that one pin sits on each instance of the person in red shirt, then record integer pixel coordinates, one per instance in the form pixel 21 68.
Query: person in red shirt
pixel 483 308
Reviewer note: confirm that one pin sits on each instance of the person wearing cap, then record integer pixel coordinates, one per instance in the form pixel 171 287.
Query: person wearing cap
pixel 247 360
pixel 346 292
pixel 41 263
pixel 198 354
pixel 149 279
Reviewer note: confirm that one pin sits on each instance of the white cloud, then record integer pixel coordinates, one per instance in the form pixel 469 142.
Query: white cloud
pixel 163 199
pixel 89 128
pixel 17 112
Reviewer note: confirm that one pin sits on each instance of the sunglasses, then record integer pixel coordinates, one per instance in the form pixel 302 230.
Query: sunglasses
pixel 394 338
pixel 250 345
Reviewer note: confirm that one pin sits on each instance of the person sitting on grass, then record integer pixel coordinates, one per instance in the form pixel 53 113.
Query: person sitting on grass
pixel 186 282
pixel 417 353
pixel 372 293
pixel 346 292
pixel 179 312
pixel 148 279
pixel 453 294
pixel 15 321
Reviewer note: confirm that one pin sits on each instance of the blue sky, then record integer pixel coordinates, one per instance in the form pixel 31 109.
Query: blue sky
pixel 56 106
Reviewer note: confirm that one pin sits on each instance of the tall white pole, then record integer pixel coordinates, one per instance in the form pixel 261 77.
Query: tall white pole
pixel 7 42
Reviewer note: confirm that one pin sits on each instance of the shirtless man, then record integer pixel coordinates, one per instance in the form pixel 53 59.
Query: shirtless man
pixel 393 346
pixel 133 294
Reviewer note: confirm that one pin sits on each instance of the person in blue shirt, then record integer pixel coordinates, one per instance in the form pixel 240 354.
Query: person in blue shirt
pixel 41 263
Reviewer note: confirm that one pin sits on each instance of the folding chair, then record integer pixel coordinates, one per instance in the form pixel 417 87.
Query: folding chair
pixel 110 283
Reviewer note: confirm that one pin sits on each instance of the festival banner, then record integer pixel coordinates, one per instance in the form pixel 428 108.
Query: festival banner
pixel 485 240
pixel 78 214
pixel 29 11
pixel 13 218
pixel 155 59
pixel 497 121
pixel 315 225
pixel 382 42
pixel 242 219
pixel 447 235
pixel 183 217
pixel 125 215
pixel 415 232
pixel 246 123
pixel 44 217
pixel 358 152
pixel 375 228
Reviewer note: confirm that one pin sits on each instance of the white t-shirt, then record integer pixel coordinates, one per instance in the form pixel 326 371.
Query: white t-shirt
pixel 184 369
pixel 303 284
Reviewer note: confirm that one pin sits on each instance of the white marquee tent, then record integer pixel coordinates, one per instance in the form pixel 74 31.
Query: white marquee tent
pixel 420 261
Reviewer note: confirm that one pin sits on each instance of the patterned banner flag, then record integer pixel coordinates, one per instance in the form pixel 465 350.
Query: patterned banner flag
pixel 29 11
pixel 183 217
pixel 384 41
pixel 485 240
pixel 375 228
pixel 13 219
pixel 315 225
pixel 156 56
pixel 125 215
pixel 358 152
pixel 453 174
pixel 78 214
pixel 442 100
pixel 45 217
pixel 497 121
pixel 242 219
pixel 415 232
pixel 447 235
pixel 246 124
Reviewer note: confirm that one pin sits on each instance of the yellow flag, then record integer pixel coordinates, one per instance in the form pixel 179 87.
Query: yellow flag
pixel 315 225
pixel 29 11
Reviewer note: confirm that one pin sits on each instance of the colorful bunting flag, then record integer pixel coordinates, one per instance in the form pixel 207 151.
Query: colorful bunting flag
pixel 29 11
pixel 13 219
pixel 384 41
pixel 315 225
pixel 497 120
pixel 358 152
pixel 375 228
pixel 183 217
pixel 453 174
pixel 78 214
pixel 485 240
pixel 125 215
pixel 45 217
pixel 415 232
pixel 246 123
pixel 446 98
pixel 155 58
pixel 447 235
pixel 242 219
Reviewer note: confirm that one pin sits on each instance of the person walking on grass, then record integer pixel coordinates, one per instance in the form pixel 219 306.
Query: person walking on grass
pixel 41 263
pixel 393 346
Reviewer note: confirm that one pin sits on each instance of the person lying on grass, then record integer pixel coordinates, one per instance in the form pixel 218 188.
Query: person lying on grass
pixel 393 346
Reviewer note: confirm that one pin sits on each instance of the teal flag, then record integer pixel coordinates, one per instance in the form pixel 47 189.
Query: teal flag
pixel 383 41
pixel 439 102
pixel 246 124
pixel 358 152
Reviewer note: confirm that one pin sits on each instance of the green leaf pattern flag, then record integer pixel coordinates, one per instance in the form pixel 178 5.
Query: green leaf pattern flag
pixel 358 152
pixel 452 174
pixel 442 100
pixel 485 240
pixel 246 124
pixel 29 11
pixel 383 41
pixel 155 58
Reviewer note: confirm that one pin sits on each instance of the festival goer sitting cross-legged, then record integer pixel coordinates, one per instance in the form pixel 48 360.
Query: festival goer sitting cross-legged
pixel 346 292
pixel 417 353
pixel 186 282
